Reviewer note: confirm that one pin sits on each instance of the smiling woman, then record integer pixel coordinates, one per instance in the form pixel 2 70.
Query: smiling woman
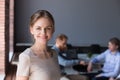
pixel 42 30
pixel 38 61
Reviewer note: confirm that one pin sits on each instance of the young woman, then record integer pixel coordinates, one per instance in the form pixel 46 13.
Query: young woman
pixel 111 59
pixel 39 62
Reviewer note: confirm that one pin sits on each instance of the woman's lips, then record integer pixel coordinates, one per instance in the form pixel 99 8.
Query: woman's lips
pixel 43 37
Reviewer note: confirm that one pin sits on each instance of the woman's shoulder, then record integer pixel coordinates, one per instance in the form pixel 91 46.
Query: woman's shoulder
pixel 25 53
pixel 24 57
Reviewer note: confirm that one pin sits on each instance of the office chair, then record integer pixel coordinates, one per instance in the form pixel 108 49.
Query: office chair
pixel 95 48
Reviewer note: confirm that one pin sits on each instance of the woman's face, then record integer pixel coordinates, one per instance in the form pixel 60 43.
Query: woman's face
pixel 42 30
pixel 112 47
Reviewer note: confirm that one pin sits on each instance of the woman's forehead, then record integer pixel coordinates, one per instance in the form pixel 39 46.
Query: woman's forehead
pixel 43 22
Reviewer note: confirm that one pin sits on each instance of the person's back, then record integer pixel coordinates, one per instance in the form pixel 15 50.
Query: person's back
pixel 61 46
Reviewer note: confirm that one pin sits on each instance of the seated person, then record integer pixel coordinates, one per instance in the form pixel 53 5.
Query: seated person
pixel 111 59
pixel 59 47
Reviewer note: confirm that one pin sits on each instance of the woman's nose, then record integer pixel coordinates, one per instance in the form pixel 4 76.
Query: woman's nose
pixel 43 31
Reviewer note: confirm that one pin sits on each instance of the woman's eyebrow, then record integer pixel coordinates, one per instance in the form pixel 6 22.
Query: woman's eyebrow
pixel 49 26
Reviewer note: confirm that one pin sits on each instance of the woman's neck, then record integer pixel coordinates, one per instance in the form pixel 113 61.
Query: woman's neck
pixel 39 47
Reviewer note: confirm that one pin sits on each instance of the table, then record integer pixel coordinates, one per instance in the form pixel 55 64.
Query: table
pixel 83 56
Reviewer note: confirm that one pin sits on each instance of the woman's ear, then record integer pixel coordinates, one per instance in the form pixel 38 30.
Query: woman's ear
pixel 31 30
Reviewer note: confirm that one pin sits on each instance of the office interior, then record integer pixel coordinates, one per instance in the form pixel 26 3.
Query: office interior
pixel 89 24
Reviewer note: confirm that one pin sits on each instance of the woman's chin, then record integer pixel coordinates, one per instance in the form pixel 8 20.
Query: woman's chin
pixel 43 41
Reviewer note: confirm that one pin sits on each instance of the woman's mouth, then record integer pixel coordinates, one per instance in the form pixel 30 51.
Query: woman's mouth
pixel 43 37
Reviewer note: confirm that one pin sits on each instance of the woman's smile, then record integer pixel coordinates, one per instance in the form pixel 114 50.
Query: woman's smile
pixel 43 37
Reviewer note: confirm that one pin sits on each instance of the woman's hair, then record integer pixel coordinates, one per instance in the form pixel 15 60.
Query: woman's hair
pixel 39 14
pixel 115 41
pixel 62 37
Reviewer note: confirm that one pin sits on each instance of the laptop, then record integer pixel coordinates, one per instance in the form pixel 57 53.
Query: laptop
pixel 71 54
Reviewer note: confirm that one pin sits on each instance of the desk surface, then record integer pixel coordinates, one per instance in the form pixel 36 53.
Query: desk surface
pixel 84 57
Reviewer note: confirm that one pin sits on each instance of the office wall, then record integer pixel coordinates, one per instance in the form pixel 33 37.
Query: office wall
pixel 85 22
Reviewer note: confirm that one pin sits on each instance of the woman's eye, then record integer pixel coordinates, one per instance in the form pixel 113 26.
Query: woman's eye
pixel 38 28
pixel 49 28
